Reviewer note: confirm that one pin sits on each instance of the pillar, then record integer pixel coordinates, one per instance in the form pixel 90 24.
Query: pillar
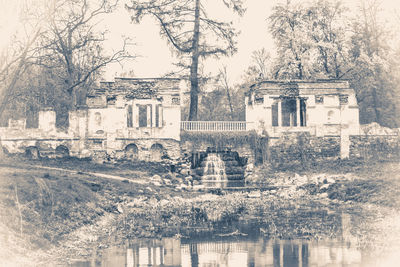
pixel 47 119
pixel 153 115
pixel 149 120
pixel 300 255
pixel 298 112
pixel 279 112
pixel 344 141
pixel 129 258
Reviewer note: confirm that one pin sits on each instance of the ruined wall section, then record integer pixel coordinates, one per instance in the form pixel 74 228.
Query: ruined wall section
pixel 302 148
pixel 375 143
pixel 375 147
pixel 45 139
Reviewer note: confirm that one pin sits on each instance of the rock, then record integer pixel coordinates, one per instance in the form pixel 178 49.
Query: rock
pixel 324 186
pixel 188 180
pixel 254 194
pixel 85 153
pixel 198 187
pixel 195 182
pixel 323 195
pixel 185 171
pixel 164 202
pixel 330 180
pixel 149 189
pixel 167 182
pixel 120 209
pixel 182 186
pixel 176 181
pixel 250 167
pixel 169 176
pixel 156 183
pixel 156 177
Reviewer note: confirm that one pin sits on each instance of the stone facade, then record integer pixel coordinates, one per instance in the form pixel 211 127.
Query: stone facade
pixel 139 117
pixel 322 107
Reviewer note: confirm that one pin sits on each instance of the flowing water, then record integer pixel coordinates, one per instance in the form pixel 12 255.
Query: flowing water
pixel 214 171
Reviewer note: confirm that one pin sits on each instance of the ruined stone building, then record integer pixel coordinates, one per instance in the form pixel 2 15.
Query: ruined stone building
pixel 141 119
pixel 137 118
pixel 325 107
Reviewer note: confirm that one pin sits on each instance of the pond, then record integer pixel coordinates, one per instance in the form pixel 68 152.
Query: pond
pixel 232 251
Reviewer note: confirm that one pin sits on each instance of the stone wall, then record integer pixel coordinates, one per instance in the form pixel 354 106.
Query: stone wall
pixel 139 149
pixel 383 147
pixel 193 143
pixel 302 148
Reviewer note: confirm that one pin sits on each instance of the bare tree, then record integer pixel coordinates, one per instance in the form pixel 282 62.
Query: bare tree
pixel 260 60
pixel 224 82
pixel 15 60
pixel 191 32
pixel 72 47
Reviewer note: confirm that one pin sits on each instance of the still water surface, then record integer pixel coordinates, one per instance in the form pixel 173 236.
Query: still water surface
pixel 232 251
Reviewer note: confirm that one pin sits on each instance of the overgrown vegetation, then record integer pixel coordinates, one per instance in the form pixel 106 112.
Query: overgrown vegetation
pixel 56 208
pixel 257 143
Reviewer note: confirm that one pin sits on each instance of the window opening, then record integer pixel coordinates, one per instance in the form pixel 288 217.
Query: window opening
pixel 275 114
pixel 289 117
pixel 129 118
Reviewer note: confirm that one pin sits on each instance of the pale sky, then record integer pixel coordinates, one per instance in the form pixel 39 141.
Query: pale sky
pixel 155 58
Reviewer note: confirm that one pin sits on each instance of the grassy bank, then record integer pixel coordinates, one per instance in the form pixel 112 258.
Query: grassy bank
pixel 51 214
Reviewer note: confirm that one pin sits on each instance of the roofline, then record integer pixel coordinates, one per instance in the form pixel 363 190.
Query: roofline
pixel 299 81
pixel 147 78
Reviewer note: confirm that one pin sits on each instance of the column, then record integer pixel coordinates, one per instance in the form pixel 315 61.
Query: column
pixel 279 112
pixel 298 111
pixel 149 115
pixel 153 115
pixel 300 255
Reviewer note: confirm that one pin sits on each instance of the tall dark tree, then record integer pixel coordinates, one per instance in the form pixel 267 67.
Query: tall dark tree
pixel 191 32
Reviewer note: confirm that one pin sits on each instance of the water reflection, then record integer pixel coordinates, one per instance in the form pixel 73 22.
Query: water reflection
pixel 261 252
pixel 251 251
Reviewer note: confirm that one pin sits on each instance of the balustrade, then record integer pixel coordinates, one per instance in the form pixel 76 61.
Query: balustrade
pixel 214 126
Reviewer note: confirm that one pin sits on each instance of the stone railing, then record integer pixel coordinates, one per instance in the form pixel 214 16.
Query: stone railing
pixel 214 126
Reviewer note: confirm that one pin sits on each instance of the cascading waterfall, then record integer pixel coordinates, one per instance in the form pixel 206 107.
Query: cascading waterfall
pixel 214 169
pixel 218 168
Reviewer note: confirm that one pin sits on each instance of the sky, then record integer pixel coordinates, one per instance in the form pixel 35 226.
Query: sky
pixel 154 57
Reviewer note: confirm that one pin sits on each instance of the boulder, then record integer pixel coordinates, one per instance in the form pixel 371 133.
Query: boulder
pixel 254 194
pixel 198 187
pixel 156 178
pixel 164 202
pixel 188 179
pixel 156 183
pixel 167 182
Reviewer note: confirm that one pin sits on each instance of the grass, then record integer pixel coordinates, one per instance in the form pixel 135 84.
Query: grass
pixel 55 207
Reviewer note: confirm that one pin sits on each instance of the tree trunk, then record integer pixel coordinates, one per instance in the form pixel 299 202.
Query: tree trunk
pixel 194 81
pixel 230 102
